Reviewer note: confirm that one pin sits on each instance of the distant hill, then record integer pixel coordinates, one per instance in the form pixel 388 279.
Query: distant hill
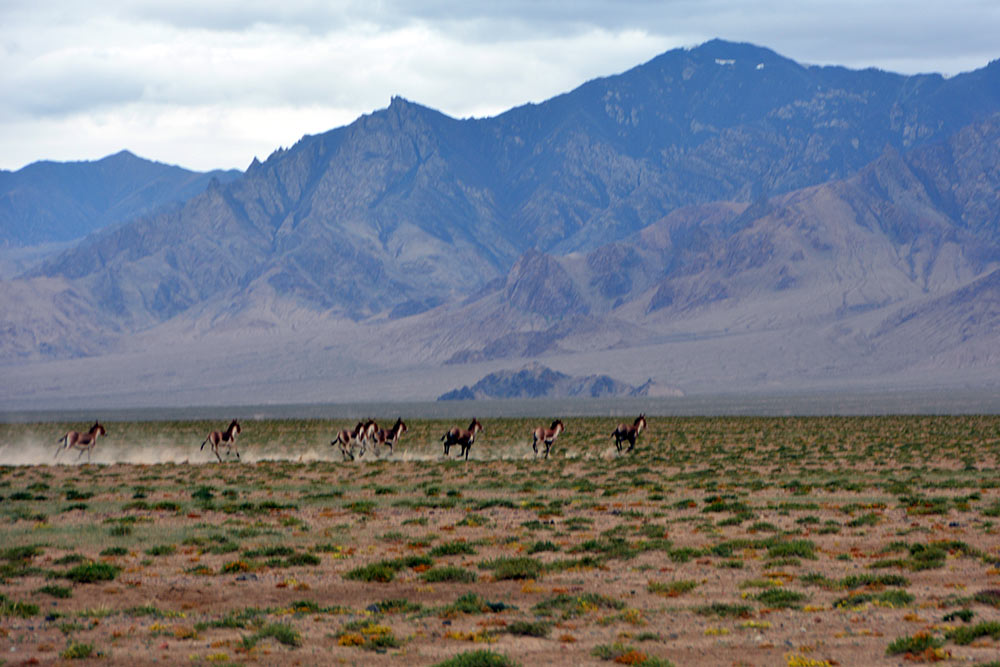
pixel 538 381
pixel 47 202
pixel 717 219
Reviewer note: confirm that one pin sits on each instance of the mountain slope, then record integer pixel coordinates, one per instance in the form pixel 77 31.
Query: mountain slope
pixel 717 218
pixel 49 202
pixel 406 208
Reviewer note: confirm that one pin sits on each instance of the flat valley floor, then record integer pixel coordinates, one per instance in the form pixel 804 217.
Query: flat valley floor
pixel 717 541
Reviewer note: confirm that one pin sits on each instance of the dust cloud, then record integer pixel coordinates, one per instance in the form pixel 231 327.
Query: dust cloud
pixel 38 452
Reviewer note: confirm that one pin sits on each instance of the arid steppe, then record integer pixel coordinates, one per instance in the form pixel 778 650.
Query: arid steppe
pixel 722 541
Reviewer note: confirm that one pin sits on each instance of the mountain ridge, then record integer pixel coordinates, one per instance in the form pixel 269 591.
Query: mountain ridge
pixel 716 195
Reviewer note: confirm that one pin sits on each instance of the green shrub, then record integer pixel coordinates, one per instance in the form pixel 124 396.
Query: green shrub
pixel 781 598
pixel 283 633
pixel 520 567
pixel 725 610
pixel 381 572
pixel 792 548
pixel 90 572
pixel 78 651
pixel 969 634
pixel 162 550
pixel 16 608
pixel 624 654
pixel 918 643
pixel 529 628
pixel 450 573
pixel 452 549
pixel 542 545
pixel 61 592
pixel 480 658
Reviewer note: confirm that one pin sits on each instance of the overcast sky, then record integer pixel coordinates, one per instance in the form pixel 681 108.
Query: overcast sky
pixel 214 83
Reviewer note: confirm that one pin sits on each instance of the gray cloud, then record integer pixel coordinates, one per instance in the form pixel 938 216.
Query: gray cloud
pixel 265 72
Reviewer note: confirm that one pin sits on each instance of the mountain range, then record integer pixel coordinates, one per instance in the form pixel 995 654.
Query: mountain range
pixel 719 218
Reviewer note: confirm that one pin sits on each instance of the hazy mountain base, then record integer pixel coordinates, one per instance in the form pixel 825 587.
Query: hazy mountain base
pixel 345 362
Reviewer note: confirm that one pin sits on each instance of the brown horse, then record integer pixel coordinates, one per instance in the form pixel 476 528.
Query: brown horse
pixel 629 433
pixel 390 437
pixel 346 437
pixel 368 434
pixel 82 441
pixel 464 439
pixel 227 438
pixel 547 436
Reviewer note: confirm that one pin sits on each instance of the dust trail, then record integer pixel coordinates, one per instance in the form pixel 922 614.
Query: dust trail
pixel 37 452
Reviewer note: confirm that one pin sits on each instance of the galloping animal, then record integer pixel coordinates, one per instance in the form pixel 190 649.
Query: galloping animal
pixel 547 436
pixel 346 437
pixel 390 437
pixel 82 441
pixel 464 439
pixel 368 434
pixel 630 433
pixel 227 438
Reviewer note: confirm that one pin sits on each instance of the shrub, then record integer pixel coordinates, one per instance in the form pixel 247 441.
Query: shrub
pixel 671 589
pixel 480 658
pixel 542 545
pixel 918 643
pixel 452 549
pixel 969 634
pixel 792 548
pixel 515 568
pixel 90 572
pixel 448 573
pixel 381 572
pixel 283 633
pixel 61 592
pixel 725 610
pixel 780 598
pixel 16 609
pixel 78 651
pixel 529 628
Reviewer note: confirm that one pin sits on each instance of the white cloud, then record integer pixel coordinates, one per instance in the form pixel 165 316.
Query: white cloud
pixel 212 84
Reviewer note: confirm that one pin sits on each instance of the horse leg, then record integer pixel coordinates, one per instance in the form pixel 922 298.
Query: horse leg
pixel 215 450
pixel 534 445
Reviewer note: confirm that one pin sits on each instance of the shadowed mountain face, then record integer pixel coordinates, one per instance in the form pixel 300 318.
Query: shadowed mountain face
pixel 717 189
pixel 49 202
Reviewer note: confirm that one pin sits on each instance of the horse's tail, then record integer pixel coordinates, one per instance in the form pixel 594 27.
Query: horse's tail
pixel 203 444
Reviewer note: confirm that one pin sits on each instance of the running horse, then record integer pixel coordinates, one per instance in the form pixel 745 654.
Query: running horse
pixel 547 436
pixel 82 441
pixel 346 437
pixel 464 439
pixel 389 437
pixel 630 433
pixel 227 438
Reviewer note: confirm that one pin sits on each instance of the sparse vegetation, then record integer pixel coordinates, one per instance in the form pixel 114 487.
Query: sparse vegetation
pixel 753 528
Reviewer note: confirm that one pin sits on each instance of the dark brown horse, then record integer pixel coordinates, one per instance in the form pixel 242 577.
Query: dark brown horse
pixel 82 441
pixel 464 439
pixel 630 433
pixel 547 436
pixel 346 438
pixel 390 437
pixel 368 434
pixel 227 438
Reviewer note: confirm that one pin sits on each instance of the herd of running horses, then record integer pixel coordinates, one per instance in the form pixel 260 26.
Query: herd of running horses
pixel 368 433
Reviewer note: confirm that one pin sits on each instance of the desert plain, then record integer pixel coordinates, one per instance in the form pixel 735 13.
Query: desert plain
pixel 794 541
